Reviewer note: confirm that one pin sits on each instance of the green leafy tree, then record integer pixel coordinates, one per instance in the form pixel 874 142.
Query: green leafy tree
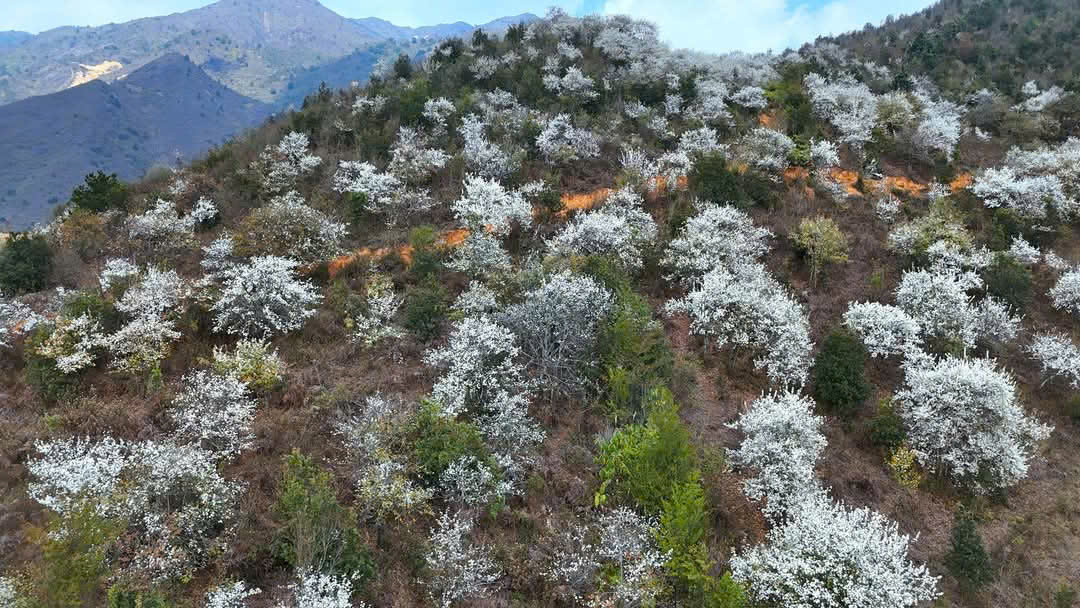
pixel 25 264
pixel 839 374
pixel 100 192
pixel 823 243
pixel 968 560
pixel 316 531
pixel 73 567
pixel 1010 281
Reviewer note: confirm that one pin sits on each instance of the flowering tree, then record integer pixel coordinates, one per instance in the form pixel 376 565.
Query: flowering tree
pixel 231 595
pixel 486 205
pixel 72 344
pixel 16 319
pixel 438 111
pixel 750 97
pixel 480 361
pixel 216 412
pixel 377 323
pixel 483 156
pixel 719 235
pixel 749 308
pixel 117 271
pixel 458 568
pixel 1024 252
pixel 783 443
pixel 885 330
pixel 561 141
pixel 765 149
pixel 481 254
pixel 574 84
pixel 380 193
pixel 621 228
pixel 963 418
pixel 1033 181
pixel 1065 295
pixel 557 325
pixel 281 165
pixel 830 556
pixel 151 306
pixel 263 298
pixel 170 495
pixel 847 104
pixel 939 127
pixel 1059 356
pixel 162 228
pixel 410 158
pixel 619 539
pixel 290 228
pixel 320 590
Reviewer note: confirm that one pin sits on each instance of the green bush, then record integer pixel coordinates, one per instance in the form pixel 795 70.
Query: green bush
pixel 1010 281
pixel 440 440
pixel 100 192
pixel 711 180
pixel 25 264
pixel 887 427
pixel 426 256
pixel 315 530
pixel 73 565
pixel 839 375
pixel 968 560
pixel 122 597
pixel 425 310
pixel 634 352
pixel 643 464
pixel 48 382
pixel 682 535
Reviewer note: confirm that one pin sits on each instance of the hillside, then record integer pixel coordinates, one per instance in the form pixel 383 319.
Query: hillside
pixel 563 317
pixel 167 109
pixel 251 46
pixel 966 45
pixel 11 38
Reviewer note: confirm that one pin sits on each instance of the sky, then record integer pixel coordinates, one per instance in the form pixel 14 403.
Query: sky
pixel 706 25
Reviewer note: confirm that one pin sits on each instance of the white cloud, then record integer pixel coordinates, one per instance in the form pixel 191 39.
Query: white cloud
pixel 756 25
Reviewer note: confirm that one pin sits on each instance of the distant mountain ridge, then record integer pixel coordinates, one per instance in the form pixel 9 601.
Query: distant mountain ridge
pixel 168 107
pixel 254 47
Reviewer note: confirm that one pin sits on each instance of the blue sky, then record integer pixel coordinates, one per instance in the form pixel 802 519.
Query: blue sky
pixel 708 25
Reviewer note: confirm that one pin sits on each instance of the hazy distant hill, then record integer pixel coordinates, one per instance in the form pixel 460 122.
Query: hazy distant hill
pixel 254 47
pixel 166 108
pixel 10 39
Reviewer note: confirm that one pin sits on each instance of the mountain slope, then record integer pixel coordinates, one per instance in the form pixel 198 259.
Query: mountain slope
pixel 13 38
pixel 251 46
pixel 168 107
pixel 965 45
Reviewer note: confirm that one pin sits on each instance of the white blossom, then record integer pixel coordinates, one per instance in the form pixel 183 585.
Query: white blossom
pixel 1037 100
pixel 459 569
pixel 230 595
pixel 16 319
pixel 480 254
pixel 320 590
pixel 216 412
pixel 283 164
pixel 263 298
pixel 481 359
pixel 1058 355
pixel 116 270
pixel 847 104
pixel 703 140
pixel 296 230
pixel 438 111
pixel 1032 181
pixel 750 97
pixel 939 127
pixel 486 205
pixel 831 556
pixel 885 330
pixel 73 343
pixel 718 235
pixel 162 227
pixel 477 300
pixel 824 154
pixel 204 211
pixel 574 83
pixel 621 228
pixel 1024 252
pixel 749 308
pixel 562 141
pixel 482 155
pixel 365 104
pixel 1065 295
pixel 362 178
pixel 765 149
pixel 557 325
pixel 377 323
pixel 783 443
pixel 484 67
pixel 963 418
pixel 410 159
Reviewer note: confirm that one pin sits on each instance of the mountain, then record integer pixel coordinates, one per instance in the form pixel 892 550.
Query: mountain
pixel 254 47
pixel 13 38
pixel 966 45
pixel 385 29
pixel 167 107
